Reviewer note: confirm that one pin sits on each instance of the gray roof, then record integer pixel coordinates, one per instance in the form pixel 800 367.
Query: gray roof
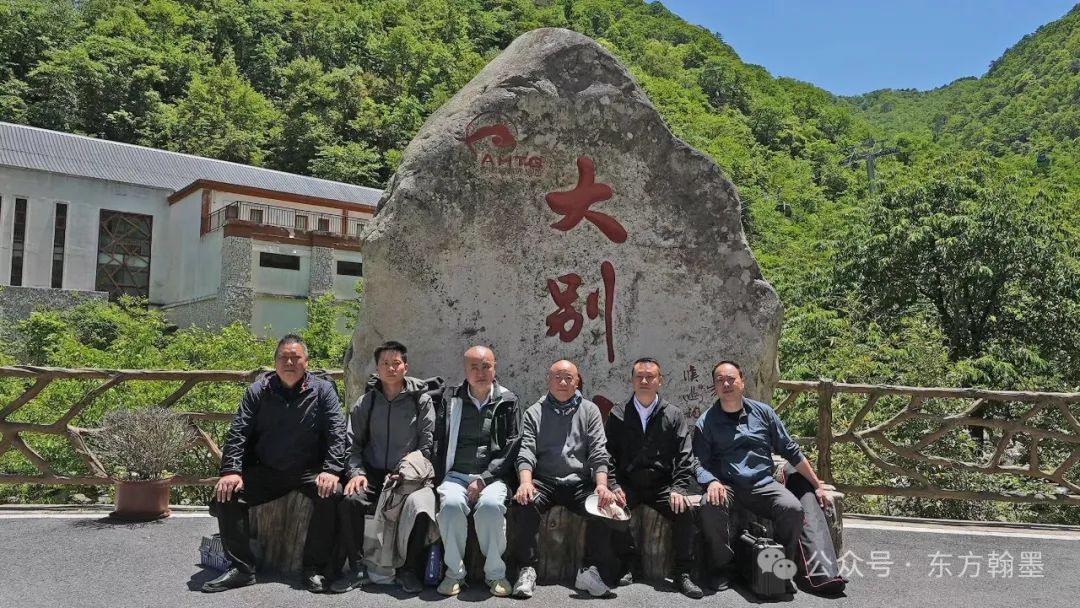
pixel 63 153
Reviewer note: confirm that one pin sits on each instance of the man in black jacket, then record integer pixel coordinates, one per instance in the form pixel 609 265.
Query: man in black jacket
pixel 476 431
pixel 289 434
pixel 653 464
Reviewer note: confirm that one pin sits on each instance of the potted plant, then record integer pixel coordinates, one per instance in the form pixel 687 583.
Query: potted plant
pixel 140 449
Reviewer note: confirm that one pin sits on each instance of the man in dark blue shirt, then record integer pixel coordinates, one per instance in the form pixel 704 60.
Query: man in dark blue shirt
pixel 734 441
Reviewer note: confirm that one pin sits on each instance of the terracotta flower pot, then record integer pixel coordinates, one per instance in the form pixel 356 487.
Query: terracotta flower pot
pixel 142 500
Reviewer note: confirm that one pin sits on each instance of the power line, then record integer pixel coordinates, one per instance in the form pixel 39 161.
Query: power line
pixel 865 151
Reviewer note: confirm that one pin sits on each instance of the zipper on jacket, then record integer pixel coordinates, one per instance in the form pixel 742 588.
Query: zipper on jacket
pixel 386 455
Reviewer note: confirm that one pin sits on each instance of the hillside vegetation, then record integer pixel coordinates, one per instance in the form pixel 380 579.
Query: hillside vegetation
pixel 960 270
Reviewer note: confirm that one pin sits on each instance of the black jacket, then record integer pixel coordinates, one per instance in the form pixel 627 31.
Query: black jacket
pixel 505 432
pixel 661 454
pixel 296 431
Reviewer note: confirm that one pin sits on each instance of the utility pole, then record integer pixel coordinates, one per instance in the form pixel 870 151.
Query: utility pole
pixel 869 154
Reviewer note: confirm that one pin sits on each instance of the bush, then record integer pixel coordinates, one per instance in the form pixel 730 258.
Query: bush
pixel 142 444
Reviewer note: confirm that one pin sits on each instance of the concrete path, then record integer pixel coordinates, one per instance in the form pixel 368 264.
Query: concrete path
pixel 78 558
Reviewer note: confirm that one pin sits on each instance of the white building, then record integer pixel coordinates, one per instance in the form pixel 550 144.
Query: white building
pixel 210 242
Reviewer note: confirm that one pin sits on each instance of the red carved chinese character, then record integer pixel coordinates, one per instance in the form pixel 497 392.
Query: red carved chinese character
pixel 608 272
pixel 566 313
pixel 574 204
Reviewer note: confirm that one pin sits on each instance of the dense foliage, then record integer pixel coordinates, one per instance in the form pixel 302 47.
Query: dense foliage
pixel 961 270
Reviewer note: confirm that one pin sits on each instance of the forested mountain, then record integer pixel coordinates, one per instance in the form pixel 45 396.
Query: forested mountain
pixel 960 270
pixel 1027 104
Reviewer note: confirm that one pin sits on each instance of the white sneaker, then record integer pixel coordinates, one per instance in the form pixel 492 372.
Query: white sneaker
pixel 588 580
pixel 526 583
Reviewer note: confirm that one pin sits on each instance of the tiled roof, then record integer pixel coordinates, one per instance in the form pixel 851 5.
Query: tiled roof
pixel 63 153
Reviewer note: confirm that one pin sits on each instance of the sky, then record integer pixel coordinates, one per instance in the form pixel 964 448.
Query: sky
pixel 851 47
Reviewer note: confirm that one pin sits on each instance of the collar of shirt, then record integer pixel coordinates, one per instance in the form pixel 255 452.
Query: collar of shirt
pixel 478 403
pixel 645 412
pixel 286 393
pixel 735 417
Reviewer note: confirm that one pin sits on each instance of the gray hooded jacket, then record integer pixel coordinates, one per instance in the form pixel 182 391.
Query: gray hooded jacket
pixel 382 432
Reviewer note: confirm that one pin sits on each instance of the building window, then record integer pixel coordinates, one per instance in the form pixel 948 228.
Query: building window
pixel 232 212
pixel 278 260
pixel 255 215
pixel 301 222
pixel 59 236
pixel 324 224
pixel 18 242
pixel 123 266
pixel 351 269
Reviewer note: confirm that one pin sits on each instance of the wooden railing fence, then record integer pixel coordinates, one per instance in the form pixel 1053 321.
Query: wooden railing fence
pixel 1038 422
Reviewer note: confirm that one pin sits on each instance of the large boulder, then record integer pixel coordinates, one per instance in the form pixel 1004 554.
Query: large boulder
pixel 546 210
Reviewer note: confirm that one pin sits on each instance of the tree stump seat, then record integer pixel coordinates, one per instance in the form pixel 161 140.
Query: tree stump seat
pixel 280 528
pixel 562 540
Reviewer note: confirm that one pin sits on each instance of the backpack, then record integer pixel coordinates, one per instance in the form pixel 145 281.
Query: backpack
pixel 818 567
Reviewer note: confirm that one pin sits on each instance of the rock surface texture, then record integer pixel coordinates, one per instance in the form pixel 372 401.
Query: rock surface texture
pixel 547 211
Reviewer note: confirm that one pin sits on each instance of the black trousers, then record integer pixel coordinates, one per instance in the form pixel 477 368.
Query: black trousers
pixel 655 497
pixel 352 512
pixel 572 496
pixel 772 501
pixel 261 485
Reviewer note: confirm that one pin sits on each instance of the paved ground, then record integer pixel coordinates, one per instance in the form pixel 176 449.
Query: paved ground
pixel 61 559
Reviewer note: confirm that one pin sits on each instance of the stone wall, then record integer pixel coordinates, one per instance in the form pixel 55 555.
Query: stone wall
pixel 16 303
pixel 321 281
pixel 237 295
pixel 203 312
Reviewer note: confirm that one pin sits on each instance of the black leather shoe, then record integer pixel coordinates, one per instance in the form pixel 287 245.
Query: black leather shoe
pixel 348 582
pixel 719 581
pixel 687 587
pixel 232 579
pixel 313 581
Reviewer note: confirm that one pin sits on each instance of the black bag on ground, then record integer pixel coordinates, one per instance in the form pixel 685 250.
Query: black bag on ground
pixel 819 569
pixel 757 554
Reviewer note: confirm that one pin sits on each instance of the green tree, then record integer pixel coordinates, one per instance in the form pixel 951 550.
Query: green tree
pixel 982 254
pixel 221 116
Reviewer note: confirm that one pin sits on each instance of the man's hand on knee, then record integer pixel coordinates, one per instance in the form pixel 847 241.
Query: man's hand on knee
pixel 716 493
pixel 474 489
pixel 526 492
pixel 227 485
pixel 678 502
pixel 326 484
pixel 356 484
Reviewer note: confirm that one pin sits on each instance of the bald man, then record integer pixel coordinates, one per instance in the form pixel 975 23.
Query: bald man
pixel 562 460
pixel 476 428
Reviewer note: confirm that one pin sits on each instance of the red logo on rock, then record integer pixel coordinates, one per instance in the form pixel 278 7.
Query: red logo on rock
pixel 491 137
pixel 491 125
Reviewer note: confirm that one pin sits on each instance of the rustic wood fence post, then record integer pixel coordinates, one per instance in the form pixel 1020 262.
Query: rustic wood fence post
pixel 824 431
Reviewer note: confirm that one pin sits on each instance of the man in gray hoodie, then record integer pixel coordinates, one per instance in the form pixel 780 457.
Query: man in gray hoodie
pixel 393 418
pixel 562 460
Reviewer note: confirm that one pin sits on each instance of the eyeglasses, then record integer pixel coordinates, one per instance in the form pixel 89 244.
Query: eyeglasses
pixel 725 380
pixel 560 378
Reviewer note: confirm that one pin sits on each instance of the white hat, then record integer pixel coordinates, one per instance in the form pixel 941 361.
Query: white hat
pixel 612 511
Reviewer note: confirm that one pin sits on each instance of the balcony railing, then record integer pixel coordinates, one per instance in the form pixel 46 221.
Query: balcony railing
pixel 284 217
